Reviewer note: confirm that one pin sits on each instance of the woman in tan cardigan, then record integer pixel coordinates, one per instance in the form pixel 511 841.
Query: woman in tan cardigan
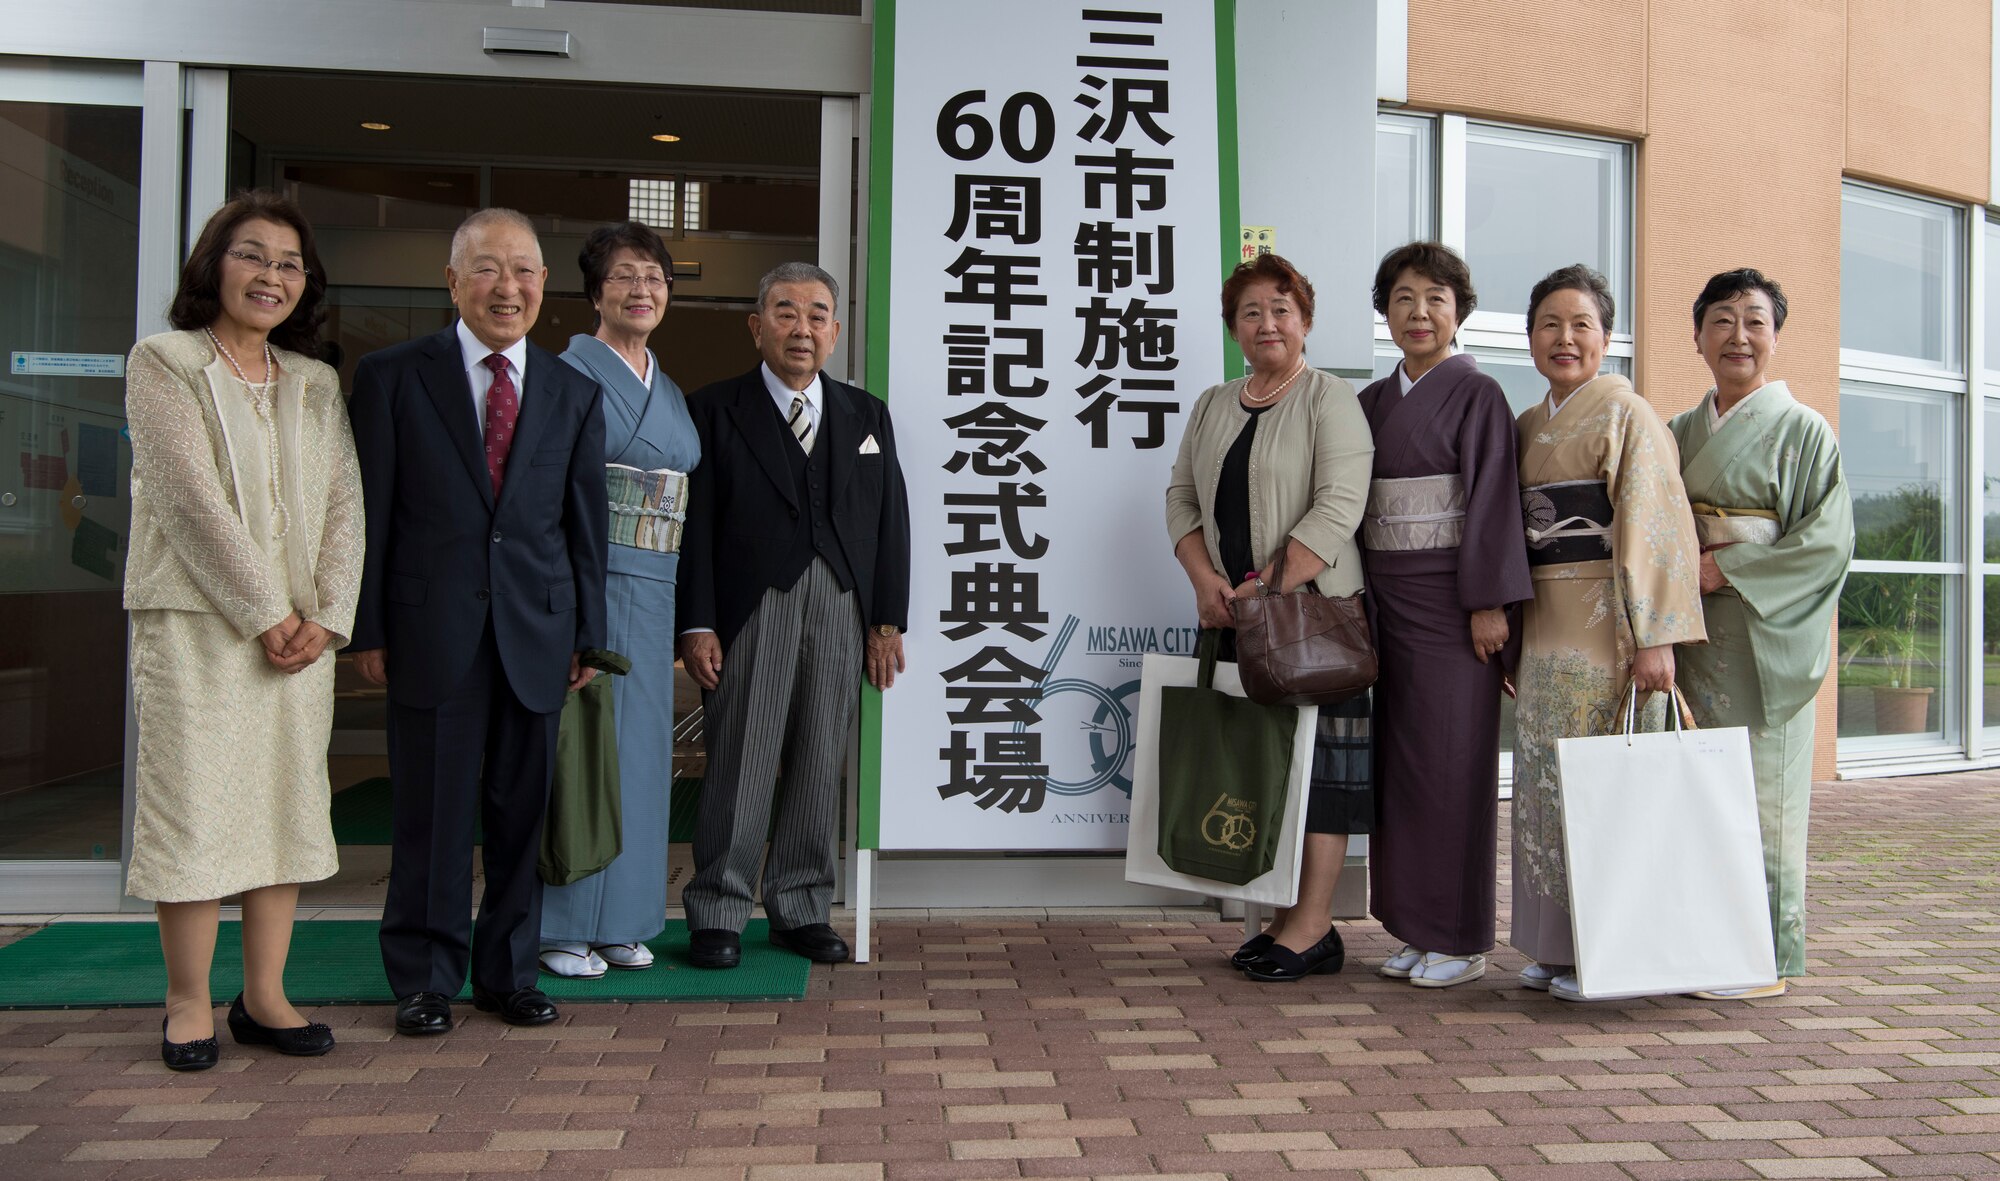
pixel 1279 461
pixel 244 565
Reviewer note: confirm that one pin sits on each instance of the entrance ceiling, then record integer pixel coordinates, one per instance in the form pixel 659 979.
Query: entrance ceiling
pixel 469 119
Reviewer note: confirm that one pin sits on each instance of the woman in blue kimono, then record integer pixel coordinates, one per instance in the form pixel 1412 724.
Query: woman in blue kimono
pixel 649 447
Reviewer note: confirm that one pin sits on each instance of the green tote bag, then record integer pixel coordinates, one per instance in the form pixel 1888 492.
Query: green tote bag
pixel 583 831
pixel 1225 775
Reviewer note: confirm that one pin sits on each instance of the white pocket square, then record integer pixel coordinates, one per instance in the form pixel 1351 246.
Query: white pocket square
pixel 870 447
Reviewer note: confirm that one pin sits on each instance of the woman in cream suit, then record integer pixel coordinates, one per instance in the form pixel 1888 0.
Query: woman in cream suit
pixel 245 560
pixel 1275 466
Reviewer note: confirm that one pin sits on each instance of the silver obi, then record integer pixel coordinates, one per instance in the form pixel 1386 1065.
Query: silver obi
pixel 1729 530
pixel 1414 513
pixel 648 508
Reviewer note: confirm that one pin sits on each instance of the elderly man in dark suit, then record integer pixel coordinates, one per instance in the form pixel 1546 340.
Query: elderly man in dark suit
pixel 795 573
pixel 482 468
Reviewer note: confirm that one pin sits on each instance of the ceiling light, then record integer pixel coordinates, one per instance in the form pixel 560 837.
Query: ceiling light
pixel 664 138
pixel 375 127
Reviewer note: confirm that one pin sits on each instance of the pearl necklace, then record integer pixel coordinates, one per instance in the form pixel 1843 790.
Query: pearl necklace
pixel 1281 387
pixel 261 401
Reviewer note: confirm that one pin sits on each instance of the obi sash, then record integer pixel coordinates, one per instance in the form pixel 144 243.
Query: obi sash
pixel 648 508
pixel 1726 526
pixel 1567 522
pixel 1415 513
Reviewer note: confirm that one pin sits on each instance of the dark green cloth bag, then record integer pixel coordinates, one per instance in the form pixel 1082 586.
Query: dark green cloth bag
pixel 583 831
pixel 1225 776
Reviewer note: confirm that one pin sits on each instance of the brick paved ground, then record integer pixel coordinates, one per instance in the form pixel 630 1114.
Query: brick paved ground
pixel 991 1049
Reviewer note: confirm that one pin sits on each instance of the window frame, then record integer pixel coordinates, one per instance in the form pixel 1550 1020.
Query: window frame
pixel 1962 736
pixel 1447 141
pixel 1955 284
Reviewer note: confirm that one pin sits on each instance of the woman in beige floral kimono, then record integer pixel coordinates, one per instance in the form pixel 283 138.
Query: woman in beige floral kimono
pixel 244 566
pixel 1611 549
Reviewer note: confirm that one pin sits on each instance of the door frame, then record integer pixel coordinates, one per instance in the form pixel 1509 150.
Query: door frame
pixel 175 66
pixel 52 887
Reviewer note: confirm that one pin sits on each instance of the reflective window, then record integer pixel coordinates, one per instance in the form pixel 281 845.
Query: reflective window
pixel 1992 280
pixel 1891 654
pixel 1989 680
pixel 69 255
pixel 1405 187
pixel 1535 202
pixel 1900 292
pixel 1991 510
pixel 1898 447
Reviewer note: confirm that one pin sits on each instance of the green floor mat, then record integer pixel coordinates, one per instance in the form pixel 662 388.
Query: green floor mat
pixel 118 965
pixel 362 814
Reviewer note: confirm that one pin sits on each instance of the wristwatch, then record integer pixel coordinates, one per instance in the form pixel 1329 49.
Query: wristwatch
pixel 885 630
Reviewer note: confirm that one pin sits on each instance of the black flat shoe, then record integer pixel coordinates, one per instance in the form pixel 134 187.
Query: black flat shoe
pixel 523 1006
pixel 302 1041
pixel 818 942
pixel 715 947
pixel 195 1055
pixel 423 1014
pixel 1251 951
pixel 1281 965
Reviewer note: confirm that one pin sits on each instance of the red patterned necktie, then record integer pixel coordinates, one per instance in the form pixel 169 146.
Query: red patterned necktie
pixel 503 406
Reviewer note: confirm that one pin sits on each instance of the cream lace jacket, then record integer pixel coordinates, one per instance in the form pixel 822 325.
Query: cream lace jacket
pixel 1310 464
pixel 190 549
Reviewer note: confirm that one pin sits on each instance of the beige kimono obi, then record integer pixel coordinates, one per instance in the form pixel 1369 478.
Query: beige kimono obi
pixel 648 508
pixel 1715 527
pixel 1568 521
pixel 1415 513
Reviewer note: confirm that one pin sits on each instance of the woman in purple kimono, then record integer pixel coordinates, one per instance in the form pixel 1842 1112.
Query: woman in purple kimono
pixel 1445 557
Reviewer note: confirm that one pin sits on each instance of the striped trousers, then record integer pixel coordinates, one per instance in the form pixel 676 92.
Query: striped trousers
pixel 776 729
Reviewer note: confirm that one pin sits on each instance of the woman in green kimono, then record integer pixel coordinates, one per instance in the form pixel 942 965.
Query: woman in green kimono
pixel 1777 529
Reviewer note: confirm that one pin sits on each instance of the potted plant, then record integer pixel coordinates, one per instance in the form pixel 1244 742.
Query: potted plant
pixel 1892 618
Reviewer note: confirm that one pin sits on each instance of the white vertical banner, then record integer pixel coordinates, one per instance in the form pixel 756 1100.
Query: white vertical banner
pixel 1055 246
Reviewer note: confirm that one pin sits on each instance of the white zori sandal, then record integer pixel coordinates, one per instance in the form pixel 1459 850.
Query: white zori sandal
pixel 629 956
pixel 1439 970
pixel 1400 965
pixel 1539 976
pixel 574 961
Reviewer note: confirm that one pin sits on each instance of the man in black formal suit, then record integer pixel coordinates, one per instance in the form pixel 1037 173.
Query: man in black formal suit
pixel 795 574
pixel 482 466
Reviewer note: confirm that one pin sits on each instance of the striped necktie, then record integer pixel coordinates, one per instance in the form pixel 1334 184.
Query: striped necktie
pixel 801 423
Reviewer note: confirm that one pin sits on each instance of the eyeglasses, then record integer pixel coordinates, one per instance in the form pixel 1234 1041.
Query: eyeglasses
pixel 650 282
pixel 288 270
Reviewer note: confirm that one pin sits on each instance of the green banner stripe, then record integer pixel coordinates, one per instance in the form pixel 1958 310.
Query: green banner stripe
pixel 881 142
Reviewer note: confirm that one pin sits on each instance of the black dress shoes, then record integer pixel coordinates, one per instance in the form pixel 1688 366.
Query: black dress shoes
pixel 523 1006
pixel 817 942
pixel 1280 964
pixel 713 947
pixel 195 1055
pixel 303 1041
pixel 1253 949
pixel 421 1014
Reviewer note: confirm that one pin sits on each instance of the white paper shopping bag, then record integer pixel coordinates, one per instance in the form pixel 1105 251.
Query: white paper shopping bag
pixel 1277 887
pixel 1666 865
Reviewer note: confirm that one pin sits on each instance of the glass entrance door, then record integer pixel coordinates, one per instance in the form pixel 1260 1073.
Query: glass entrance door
pixel 69 257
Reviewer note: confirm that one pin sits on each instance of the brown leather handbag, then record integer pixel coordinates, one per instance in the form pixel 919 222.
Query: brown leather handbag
pixel 1302 648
